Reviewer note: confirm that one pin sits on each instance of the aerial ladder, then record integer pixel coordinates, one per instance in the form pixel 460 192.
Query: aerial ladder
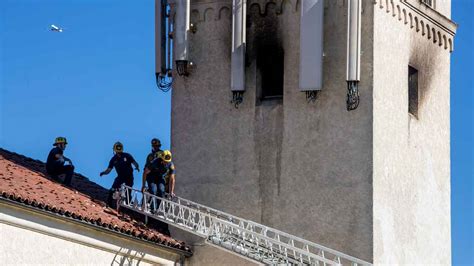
pixel 236 235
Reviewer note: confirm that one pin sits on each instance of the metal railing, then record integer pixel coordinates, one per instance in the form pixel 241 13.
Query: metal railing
pixel 241 236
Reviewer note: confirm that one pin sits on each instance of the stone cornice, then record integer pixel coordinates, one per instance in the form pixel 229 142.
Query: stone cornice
pixel 418 16
pixel 432 15
pixel 422 19
pixel 281 5
pixel 209 10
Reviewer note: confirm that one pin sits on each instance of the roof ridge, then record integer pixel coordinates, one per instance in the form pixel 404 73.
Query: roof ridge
pixel 2 150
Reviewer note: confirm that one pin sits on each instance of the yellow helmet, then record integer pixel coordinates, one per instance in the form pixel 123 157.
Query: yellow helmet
pixel 165 156
pixel 118 147
pixel 59 140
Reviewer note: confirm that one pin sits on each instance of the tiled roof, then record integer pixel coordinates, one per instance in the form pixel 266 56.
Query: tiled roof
pixel 24 181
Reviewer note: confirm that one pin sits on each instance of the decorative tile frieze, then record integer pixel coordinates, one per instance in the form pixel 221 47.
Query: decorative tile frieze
pixel 212 10
pixel 280 5
pixel 422 19
pixel 413 13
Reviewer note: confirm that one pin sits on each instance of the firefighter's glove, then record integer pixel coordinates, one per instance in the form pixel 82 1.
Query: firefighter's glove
pixel 69 161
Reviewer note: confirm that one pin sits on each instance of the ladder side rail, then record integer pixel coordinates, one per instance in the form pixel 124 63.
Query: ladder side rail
pixel 207 209
pixel 191 225
pixel 300 242
pixel 162 209
pixel 252 254
pixel 204 231
pixel 224 230
pixel 242 231
pixel 233 243
pixel 255 227
pixel 270 243
pixel 242 246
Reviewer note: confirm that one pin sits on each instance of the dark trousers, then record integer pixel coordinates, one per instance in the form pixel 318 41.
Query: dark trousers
pixel 157 190
pixel 156 187
pixel 66 170
pixel 119 180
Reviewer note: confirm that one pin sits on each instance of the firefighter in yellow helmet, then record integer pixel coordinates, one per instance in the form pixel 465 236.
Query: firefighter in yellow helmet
pixel 122 162
pixel 57 164
pixel 168 171
pixel 159 175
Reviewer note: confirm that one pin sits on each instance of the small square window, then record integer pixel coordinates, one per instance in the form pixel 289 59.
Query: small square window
pixel 413 91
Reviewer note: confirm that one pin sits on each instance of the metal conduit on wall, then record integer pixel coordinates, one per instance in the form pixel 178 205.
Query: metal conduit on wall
pixel 353 52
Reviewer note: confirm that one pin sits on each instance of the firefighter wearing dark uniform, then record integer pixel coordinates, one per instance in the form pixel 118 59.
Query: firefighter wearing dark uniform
pixel 155 147
pixel 122 162
pixel 167 172
pixel 159 175
pixel 55 164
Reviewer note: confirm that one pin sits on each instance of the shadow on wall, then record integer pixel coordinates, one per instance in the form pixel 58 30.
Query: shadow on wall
pixel 125 257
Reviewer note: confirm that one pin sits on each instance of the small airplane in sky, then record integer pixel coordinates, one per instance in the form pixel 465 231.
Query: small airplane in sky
pixel 56 28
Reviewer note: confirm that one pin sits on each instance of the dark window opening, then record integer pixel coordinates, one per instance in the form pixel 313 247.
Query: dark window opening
pixel 413 91
pixel 270 62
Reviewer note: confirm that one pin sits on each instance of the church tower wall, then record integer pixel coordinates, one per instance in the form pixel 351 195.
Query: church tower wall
pixel 304 168
pixel 412 151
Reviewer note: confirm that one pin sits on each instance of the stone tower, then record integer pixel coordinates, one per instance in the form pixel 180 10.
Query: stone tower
pixel 373 182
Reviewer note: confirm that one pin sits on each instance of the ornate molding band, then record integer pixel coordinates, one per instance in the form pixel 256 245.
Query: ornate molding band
pixel 213 10
pixel 422 19
pixel 281 5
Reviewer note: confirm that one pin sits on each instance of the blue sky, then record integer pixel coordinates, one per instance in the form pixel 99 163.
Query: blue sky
pixel 95 84
pixel 462 132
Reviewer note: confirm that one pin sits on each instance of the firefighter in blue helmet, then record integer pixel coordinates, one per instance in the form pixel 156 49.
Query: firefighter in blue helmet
pixel 122 162
pixel 56 162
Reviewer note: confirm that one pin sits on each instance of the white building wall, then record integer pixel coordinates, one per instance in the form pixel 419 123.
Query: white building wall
pixel 28 238
pixel 23 246
pixel 411 184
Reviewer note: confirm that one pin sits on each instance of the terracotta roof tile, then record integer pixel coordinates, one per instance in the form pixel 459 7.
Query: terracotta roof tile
pixel 25 181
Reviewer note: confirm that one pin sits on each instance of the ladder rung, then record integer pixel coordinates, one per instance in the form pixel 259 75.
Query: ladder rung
pixel 237 235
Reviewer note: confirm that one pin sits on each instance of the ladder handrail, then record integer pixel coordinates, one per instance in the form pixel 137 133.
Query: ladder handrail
pixel 299 255
pixel 322 259
pixel 276 231
pixel 245 226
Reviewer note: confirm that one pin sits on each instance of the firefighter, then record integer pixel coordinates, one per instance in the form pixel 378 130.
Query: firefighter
pixel 150 177
pixel 168 171
pixel 56 162
pixel 122 162
pixel 159 175
pixel 155 147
